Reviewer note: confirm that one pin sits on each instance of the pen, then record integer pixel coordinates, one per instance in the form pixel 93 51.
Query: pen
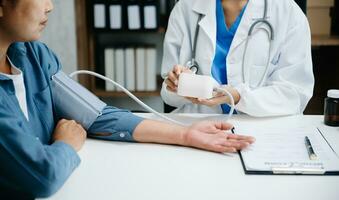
pixel 310 150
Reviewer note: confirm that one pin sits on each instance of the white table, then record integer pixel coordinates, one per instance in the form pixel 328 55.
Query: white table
pixel 128 171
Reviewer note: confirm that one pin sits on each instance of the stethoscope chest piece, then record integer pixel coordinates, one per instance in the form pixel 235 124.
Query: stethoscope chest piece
pixel 193 66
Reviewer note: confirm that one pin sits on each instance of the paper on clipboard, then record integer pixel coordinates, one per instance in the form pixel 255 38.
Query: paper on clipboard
pixel 284 148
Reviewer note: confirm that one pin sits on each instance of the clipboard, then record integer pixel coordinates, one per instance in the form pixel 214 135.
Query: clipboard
pixel 293 170
pixel 325 165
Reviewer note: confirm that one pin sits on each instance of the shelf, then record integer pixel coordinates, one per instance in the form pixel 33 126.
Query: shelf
pixel 103 93
pixel 323 40
pixel 160 30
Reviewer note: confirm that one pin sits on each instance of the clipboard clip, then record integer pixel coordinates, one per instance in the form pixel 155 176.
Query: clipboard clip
pixel 300 168
pixel 296 170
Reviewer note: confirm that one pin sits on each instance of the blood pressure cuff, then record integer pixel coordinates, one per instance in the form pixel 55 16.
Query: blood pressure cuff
pixel 74 102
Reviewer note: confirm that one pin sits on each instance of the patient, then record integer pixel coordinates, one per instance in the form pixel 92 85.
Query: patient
pixel 38 150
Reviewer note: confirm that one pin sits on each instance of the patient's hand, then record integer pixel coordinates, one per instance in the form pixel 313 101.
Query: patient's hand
pixel 71 133
pixel 212 136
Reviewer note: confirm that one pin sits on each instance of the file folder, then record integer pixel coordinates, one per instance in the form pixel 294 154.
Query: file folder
pixel 151 69
pixel 116 14
pixel 130 68
pixel 99 15
pixel 151 14
pixel 109 68
pixel 170 5
pixel 140 69
pixel 119 55
pixel 133 15
pixel 163 7
pixel 166 7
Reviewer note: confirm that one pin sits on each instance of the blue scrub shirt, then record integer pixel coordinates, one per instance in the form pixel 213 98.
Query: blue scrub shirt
pixel 224 40
pixel 31 164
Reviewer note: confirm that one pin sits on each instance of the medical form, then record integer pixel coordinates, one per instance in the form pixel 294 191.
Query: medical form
pixel 282 151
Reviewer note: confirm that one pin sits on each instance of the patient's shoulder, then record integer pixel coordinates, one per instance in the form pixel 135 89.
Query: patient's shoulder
pixel 44 55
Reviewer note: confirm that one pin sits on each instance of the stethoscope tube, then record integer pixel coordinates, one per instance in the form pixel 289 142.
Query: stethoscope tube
pixel 193 65
pixel 270 33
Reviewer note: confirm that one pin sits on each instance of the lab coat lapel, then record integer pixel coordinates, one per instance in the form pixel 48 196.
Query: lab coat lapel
pixel 208 22
pixel 254 11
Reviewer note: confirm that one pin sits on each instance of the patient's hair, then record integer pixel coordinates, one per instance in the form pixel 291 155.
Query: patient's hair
pixel 12 2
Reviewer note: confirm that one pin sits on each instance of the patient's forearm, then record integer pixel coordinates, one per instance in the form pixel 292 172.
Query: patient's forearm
pixel 211 136
pixel 160 132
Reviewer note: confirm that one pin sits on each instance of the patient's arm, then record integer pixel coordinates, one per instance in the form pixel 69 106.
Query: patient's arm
pixel 209 136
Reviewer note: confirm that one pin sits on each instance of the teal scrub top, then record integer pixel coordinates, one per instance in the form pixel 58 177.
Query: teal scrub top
pixel 224 40
pixel 32 165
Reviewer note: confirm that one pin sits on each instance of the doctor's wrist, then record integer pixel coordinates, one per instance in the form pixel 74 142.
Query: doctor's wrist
pixel 236 97
pixel 235 94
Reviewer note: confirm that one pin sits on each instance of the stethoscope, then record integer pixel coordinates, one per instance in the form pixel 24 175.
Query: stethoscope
pixel 194 66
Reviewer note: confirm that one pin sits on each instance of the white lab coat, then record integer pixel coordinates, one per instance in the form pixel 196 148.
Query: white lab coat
pixel 289 82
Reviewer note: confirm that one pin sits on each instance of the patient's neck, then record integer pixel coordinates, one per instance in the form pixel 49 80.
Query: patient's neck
pixel 4 64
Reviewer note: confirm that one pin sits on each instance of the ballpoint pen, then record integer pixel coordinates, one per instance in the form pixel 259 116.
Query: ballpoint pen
pixel 310 150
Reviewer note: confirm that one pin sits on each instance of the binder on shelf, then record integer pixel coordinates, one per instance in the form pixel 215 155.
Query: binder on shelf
pixel 170 5
pixel 119 67
pixel 140 69
pixel 116 14
pixel 150 14
pixel 151 69
pixel 109 68
pixel 134 21
pixel 130 68
pixel 163 7
pixel 99 15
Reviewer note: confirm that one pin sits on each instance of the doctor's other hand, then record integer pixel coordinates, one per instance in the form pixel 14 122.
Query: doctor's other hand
pixel 173 77
pixel 219 98
pixel 70 132
pixel 212 136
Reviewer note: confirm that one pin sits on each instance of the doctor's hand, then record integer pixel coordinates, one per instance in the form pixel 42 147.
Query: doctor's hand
pixel 70 132
pixel 173 77
pixel 219 98
pixel 212 136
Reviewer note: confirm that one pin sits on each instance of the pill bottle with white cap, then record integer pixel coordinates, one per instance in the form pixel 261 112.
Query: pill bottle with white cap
pixel 331 110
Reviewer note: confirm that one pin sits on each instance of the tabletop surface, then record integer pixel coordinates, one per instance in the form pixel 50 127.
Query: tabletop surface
pixel 116 170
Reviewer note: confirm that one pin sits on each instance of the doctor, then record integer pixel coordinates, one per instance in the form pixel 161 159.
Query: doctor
pixel 260 50
pixel 38 151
